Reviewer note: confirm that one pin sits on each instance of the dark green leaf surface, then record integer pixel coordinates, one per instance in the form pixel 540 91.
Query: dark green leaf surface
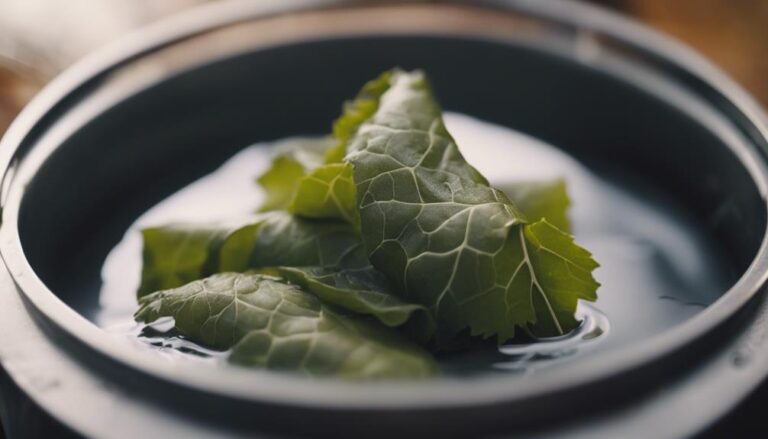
pixel 434 227
pixel 365 291
pixel 276 325
pixel 180 253
pixel 281 239
pixel 323 256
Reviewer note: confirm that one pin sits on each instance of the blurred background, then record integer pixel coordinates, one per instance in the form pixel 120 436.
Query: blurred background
pixel 39 38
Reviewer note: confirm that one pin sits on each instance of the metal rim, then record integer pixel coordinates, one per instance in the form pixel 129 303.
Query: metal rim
pixel 279 389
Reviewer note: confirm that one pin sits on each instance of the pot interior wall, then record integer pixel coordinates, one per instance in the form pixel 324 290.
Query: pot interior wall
pixel 147 146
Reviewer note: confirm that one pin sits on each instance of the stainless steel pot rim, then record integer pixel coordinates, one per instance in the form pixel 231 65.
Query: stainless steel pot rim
pixel 277 388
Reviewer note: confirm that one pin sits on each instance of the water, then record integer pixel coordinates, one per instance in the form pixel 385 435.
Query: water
pixel 656 269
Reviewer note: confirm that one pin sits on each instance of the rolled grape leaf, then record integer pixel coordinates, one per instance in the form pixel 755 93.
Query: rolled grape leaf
pixel 446 239
pixel 325 257
pixel 272 324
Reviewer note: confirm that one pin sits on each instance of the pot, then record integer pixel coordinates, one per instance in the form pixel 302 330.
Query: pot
pixel 128 126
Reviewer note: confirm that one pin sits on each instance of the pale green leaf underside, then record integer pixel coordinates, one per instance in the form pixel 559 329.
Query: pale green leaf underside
pixel 177 254
pixel 326 192
pixel 272 324
pixel 292 161
pixel 542 200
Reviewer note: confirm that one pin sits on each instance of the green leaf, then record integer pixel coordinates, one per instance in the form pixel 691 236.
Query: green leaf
pixel 275 325
pixel 281 239
pixel 365 291
pixel 293 161
pixel 326 192
pixel 356 112
pixel 177 254
pixel 418 216
pixel 563 270
pixel 326 257
pixel 542 200
pixel 430 223
pixel 306 188
pixel 182 252
pixel 297 181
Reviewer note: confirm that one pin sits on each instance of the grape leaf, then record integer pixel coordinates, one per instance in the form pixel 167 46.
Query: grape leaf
pixel 542 200
pixel 426 214
pixel 179 253
pixel 322 191
pixel 325 257
pixel 314 197
pixel 293 161
pixel 278 238
pixel 326 192
pixel 355 113
pixel 363 290
pixel 442 237
pixel 430 223
pixel 176 254
pixel 276 325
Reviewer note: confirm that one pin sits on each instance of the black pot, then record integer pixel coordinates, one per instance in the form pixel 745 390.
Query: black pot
pixel 103 143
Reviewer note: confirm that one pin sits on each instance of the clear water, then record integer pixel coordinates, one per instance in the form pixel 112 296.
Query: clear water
pixel 656 269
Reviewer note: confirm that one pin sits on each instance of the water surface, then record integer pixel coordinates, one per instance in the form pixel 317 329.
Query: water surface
pixel 657 268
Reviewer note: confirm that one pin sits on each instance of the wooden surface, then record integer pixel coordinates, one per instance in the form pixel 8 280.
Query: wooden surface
pixel 732 33
pixel 17 86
